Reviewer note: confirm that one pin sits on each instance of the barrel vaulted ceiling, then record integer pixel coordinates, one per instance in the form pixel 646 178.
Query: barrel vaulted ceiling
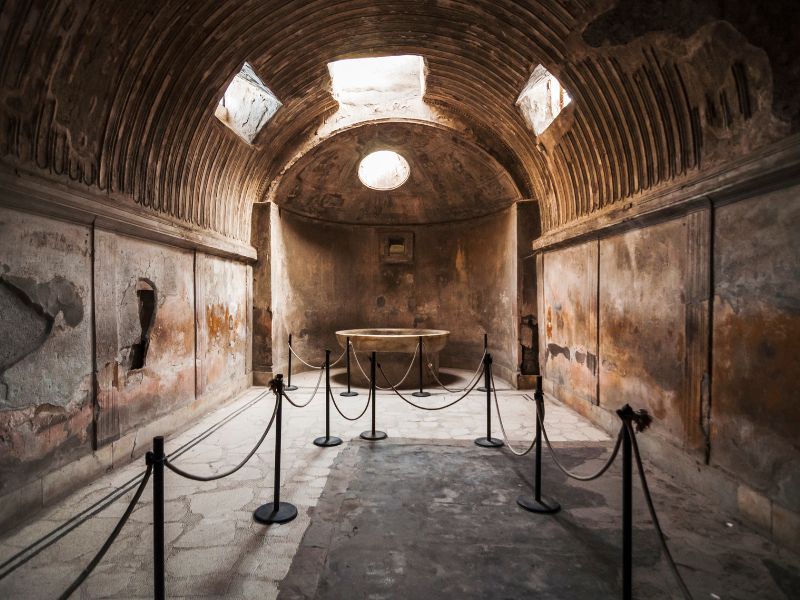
pixel 119 97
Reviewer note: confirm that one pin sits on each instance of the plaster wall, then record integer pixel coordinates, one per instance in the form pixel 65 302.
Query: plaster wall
pixel 46 355
pixel 128 396
pixel 70 303
pixel 755 407
pixel 463 278
pixel 629 319
pixel 224 313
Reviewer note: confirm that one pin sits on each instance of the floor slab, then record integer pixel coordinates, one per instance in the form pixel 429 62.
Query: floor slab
pixel 216 549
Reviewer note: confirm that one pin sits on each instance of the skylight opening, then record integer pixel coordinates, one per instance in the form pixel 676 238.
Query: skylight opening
pixel 542 99
pixel 383 170
pixel 377 80
pixel 247 105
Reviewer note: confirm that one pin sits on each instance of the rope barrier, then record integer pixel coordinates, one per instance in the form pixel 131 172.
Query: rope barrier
pixel 338 360
pixel 111 538
pixel 563 469
pixel 58 533
pixel 298 357
pixel 386 389
pixel 394 389
pixel 514 451
pixel 344 416
pixel 313 394
pixel 193 477
pixel 443 386
pixel 653 517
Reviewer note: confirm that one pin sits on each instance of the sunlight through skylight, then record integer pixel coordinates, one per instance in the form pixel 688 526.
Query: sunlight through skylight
pixel 383 170
pixel 542 99
pixel 377 80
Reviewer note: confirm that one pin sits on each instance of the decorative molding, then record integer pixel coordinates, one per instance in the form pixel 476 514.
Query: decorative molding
pixel 769 168
pixel 35 195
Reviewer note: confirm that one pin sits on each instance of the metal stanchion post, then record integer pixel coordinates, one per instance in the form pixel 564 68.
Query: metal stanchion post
pixel 290 387
pixel 627 507
pixel 156 459
pixel 538 504
pixel 421 393
pixel 276 511
pixel 373 435
pixel 488 441
pixel 485 350
pixel 349 392
pixel 327 440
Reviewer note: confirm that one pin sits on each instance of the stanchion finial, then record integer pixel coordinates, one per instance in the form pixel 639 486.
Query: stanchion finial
pixel 640 418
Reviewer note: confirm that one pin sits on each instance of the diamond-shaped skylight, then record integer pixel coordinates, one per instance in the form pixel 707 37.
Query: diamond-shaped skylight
pixel 247 104
pixel 542 99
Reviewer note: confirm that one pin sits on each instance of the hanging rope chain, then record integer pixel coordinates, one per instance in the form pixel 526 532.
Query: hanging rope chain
pixel 341 356
pixel 457 400
pixel 592 476
pixel 298 357
pixel 193 477
pixel 503 428
pixel 443 386
pixel 386 389
pixel 344 416
pixel 653 517
pixel 313 394
pixel 111 538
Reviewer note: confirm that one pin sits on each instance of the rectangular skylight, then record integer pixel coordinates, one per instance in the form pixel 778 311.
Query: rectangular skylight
pixel 377 80
pixel 247 104
pixel 542 99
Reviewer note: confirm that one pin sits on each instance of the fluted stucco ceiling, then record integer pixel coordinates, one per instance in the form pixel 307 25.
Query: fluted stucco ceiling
pixel 120 96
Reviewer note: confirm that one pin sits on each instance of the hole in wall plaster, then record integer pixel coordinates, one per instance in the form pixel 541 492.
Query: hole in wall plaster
pixel 146 295
pixel 397 247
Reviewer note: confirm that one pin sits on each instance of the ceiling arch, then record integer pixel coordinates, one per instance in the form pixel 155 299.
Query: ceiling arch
pixel 450 179
pixel 121 100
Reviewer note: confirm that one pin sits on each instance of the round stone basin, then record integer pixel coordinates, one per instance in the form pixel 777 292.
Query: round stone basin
pixel 393 340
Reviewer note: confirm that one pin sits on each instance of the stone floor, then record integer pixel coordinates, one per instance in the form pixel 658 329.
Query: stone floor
pixel 216 549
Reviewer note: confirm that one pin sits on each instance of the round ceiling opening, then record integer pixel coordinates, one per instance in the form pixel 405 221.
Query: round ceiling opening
pixel 383 170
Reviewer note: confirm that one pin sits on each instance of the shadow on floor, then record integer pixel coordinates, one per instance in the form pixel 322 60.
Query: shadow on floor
pixel 404 519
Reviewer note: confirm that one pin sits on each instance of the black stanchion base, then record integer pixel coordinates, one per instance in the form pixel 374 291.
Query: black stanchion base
pixel 348 394
pixel 421 394
pixel 268 514
pixel 373 435
pixel 326 442
pixel 290 388
pixel 543 506
pixel 489 442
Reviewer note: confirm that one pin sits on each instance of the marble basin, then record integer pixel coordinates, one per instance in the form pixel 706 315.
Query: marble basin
pixel 393 340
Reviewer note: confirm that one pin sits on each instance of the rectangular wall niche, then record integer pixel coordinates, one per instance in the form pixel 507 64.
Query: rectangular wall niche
pixel 397 247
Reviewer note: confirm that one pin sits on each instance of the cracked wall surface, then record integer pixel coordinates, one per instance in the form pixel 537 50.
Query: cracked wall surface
pixel 45 379
pixel 57 427
pixel 628 318
pixel 129 397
